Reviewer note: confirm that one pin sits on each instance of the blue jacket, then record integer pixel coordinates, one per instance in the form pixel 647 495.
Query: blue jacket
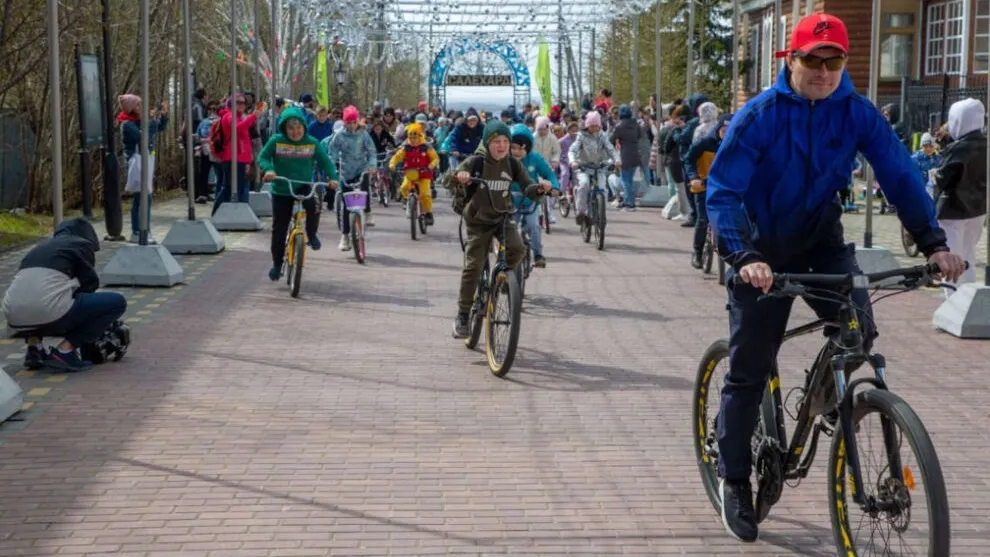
pixel 536 166
pixel 463 140
pixel 926 163
pixel 355 152
pixel 772 186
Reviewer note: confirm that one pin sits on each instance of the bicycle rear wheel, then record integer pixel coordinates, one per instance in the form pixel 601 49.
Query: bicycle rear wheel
pixel 290 259
pixel 564 206
pixel 299 253
pixel 357 237
pixel 502 322
pixel 707 254
pixel 910 246
pixel 897 496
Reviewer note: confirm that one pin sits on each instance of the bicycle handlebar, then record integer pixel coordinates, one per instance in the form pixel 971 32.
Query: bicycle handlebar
pixel 293 183
pixel 357 182
pixel 918 274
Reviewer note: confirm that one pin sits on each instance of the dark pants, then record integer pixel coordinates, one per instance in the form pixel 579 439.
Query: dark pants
pixel 700 221
pixel 282 207
pixel 343 218
pixel 756 333
pixel 223 194
pixel 693 206
pixel 90 315
pixel 202 181
pixel 479 240
pixel 136 213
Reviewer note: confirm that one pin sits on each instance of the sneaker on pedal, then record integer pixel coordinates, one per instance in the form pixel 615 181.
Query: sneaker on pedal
pixel 369 220
pixel 429 219
pixel 738 515
pixel 345 243
pixel 274 273
pixel 315 243
pixel 553 219
pixel 696 260
pixel 461 328
pixel 539 262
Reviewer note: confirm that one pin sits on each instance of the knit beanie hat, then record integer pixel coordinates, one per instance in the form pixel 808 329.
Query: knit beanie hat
pixel 128 102
pixel 593 119
pixel 493 129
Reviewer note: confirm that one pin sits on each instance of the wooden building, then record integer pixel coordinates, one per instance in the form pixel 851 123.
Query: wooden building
pixel 928 41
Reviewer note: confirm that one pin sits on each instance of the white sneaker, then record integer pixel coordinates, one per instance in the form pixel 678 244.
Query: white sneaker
pixel 369 220
pixel 345 243
pixel 553 219
pixel 615 203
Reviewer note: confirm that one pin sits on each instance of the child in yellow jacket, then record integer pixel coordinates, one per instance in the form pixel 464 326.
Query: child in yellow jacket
pixel 419 160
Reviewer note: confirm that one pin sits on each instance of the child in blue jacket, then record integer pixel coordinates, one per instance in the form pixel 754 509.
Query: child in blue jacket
pixel 528 213
pixel 927 159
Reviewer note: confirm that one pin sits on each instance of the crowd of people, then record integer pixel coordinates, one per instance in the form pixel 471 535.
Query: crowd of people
pixel 772 197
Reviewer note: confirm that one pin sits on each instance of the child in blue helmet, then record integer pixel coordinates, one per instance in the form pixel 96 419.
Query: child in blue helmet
pixel 528 214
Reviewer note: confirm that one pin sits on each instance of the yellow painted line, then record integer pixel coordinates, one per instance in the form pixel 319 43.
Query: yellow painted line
pixel 27 405
pixel 7 340
pixel 144 312
pixel 39 391
pixel 25 373
pixel 152 306
pixel 56 378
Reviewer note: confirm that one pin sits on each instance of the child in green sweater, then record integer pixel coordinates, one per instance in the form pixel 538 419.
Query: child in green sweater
pixel 290 154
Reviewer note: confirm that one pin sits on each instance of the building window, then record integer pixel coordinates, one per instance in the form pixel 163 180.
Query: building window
pixel 895 56
pixel 944 49
pixel 753 55
pixel 981 36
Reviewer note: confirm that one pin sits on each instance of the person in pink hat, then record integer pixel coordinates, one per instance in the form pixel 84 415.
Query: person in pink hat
pixel 772 200
pixel 591 147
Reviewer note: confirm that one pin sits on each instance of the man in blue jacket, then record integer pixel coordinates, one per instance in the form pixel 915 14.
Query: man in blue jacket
pixel 772 200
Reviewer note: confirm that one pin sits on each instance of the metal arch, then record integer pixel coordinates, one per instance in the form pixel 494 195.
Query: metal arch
pixel 460 46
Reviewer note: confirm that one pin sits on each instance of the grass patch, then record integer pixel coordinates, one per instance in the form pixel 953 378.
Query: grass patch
pixel 18 229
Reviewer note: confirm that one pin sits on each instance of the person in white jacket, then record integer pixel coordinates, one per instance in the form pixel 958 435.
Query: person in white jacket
pixel 591 147
pixel 546 145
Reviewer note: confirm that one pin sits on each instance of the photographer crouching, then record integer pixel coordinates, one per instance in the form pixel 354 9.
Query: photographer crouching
pixel 54 294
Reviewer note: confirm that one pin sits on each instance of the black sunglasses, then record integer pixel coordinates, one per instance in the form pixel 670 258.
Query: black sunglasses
pixel 832 63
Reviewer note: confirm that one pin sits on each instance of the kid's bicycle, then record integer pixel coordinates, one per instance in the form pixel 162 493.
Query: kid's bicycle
pixel 497 302
pixel 595 219
pixel 354 202
pixel 296 240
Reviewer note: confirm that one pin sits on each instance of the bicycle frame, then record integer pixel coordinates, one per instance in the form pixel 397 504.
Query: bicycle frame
pixel 298 211
pixel 843 351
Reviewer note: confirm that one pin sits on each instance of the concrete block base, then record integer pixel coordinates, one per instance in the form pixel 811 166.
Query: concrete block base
pixel 876 259
pixel 236 216
pixel 11 396
pixel 261 203
pixel 654 196
pixel 135 265
pixel 193 236
pixel 966 314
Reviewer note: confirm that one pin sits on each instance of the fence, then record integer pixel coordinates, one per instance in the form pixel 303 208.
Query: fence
pixel 927 102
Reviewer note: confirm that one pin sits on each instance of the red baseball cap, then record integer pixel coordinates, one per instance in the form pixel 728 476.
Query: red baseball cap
pixel 818 31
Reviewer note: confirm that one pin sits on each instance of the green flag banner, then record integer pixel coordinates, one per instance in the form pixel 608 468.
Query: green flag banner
pixel 543 76
pixel 321 79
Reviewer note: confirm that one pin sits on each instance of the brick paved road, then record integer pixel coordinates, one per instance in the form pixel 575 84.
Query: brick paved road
pixel 348 422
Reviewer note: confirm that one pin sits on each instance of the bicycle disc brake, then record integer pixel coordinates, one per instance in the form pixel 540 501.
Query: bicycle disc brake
pixel 769 478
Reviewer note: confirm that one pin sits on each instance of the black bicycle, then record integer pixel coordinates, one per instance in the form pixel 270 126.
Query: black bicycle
pixel 497 302
pixel 595 219
pixel 829 403
pixel 710 253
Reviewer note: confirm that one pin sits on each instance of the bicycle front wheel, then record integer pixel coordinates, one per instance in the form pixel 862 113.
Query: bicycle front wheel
pixel 412 211
pixel 917 515
pixel 600 221
pixel 299 253
pixel 546 214
pixel 502 322
pixel 357 237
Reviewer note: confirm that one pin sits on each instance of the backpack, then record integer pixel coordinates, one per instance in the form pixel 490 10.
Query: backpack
pixel 216 136
pixel 461 195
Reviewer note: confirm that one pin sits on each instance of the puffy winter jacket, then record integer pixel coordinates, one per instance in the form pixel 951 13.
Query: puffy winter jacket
pixel 961 181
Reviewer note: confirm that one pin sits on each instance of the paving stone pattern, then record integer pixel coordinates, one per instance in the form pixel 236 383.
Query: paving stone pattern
pixel 348 422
